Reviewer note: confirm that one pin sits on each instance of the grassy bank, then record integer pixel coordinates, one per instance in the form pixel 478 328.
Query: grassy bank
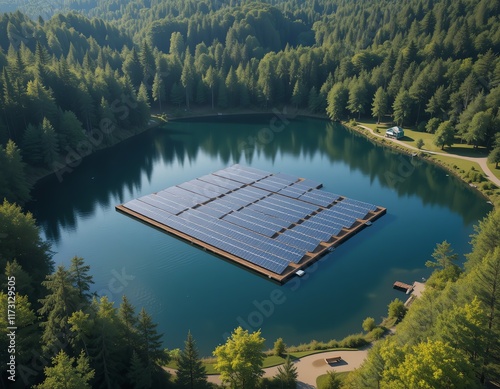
pixel 468 171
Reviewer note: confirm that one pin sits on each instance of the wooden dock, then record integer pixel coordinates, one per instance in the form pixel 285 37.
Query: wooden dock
pixel 307 260
pixel 407 288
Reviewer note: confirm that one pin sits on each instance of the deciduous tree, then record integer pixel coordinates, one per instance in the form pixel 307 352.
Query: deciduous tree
pixel 240 359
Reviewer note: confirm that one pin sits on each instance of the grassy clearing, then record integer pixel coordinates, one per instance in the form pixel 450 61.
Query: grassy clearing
pixel 494 170
pixel 321 381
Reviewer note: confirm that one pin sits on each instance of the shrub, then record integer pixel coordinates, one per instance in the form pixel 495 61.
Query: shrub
pixel 368 324
pixel 397 309
pixel 353 341
pixel 279 347
pixel 420 143
pixel 376 333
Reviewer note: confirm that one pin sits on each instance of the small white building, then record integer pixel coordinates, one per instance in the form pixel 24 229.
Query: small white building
pixel 395 132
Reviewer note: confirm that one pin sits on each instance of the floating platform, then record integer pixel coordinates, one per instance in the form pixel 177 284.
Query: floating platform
pixel 273 224
pixel 407 288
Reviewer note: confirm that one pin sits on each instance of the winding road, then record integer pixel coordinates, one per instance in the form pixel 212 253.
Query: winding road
pixel 481 161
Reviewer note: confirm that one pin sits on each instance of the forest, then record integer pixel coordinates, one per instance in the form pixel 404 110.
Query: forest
pixel 74 83
pixel 79 76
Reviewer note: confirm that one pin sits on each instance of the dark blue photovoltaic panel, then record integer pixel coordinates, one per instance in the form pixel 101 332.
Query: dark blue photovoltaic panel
pixel 257 173
pixel 273 203
pixel 233 176
pixel 220 181
pixel 149 211
pixel 272 212
pixel 217 205
pixel 260 193
pixel 257 227
pixel 199 190
pixel 270 221
pixel 183 196
pixel 211 211
pixel 292 191
pixel 210 187
pixel 234 199
pixel 313 198
pixel 295 204
pixel 163 204
pixel 360 204
pixel 247 198
pixel 323 225
pixel 305 230
pixel 308 184
pixel 294 239
pixel 350 209
pixel 286 177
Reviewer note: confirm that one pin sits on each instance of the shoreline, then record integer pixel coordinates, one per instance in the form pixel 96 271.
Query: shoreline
pixel 155 121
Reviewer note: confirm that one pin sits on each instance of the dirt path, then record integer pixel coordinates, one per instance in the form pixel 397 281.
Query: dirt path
pixel 481 161
pixel 312 366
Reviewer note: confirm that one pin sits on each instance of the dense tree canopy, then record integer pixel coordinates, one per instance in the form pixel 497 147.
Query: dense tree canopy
pixel 71 85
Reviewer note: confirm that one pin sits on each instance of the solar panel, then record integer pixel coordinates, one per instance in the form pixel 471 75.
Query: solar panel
pixel 268 220
pixel 220 181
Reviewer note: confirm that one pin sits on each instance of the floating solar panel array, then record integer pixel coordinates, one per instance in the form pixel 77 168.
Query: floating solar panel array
pixel 269 220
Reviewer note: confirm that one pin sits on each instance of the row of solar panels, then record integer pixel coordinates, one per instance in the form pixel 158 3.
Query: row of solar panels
pixel 360 204
pixel 265 244
pixel 263 251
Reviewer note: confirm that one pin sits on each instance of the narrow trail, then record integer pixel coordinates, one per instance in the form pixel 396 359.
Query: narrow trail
pixel 481 161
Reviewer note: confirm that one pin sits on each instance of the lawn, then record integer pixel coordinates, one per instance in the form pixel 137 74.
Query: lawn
pixel 494 170
pixel 322 379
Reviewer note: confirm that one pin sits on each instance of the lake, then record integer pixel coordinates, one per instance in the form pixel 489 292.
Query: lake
pixel 185 288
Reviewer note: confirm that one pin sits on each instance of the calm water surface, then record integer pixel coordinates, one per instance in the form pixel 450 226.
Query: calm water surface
pixel 185 288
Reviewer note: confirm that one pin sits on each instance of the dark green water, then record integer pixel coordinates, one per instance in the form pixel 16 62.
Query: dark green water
pixel 185 288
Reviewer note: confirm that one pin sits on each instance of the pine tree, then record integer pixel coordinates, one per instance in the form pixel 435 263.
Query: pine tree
pixel 337 101
pixel 150 344
pixel 158 89
pixel 128 319
pixel 105 349
pixel 32 144
pixel 287 374
pixel 191 373
pixel 57 306
pixel 14 171
pixel 24 281
pixel 379 104
pixel 139 376
pixel 187 76
pixel 402 107
pixel 210 79
pixel 49 143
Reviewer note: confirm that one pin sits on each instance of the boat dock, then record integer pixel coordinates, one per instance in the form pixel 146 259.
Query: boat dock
pixel 407 288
